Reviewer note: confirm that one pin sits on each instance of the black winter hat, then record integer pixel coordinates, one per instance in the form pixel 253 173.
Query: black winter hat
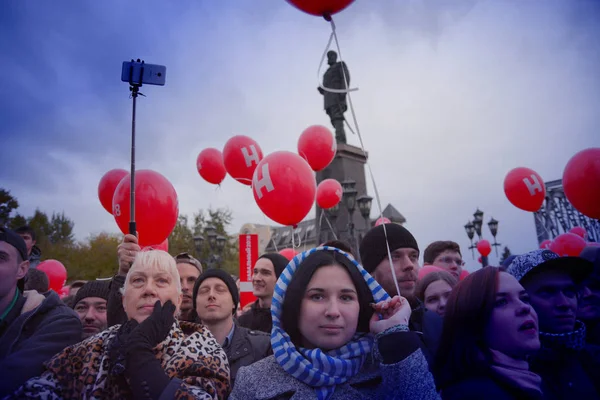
pixel 222 275
pixel 279 262
pixel 373 249
pixel 92 289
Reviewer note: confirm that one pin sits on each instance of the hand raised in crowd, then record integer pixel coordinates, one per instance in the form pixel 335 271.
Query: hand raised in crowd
pixel 394 311
pixel 126 252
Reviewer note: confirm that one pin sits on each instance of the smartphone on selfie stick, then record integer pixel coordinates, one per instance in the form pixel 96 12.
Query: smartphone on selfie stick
pixel 137 73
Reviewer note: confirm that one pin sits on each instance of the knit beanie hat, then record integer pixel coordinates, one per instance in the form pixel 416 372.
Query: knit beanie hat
pixel 222 275
pixel 279 262
pixel 92 289
pixel 373 249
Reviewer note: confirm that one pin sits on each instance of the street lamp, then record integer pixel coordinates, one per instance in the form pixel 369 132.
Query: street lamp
pixel 221 243
pixel 364 205
pixel 211 234
pixel 493 225
pixel 478 222
pixel 470 229
pixel 198 241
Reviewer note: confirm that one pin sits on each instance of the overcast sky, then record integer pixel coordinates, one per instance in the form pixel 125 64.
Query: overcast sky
pixel 452 95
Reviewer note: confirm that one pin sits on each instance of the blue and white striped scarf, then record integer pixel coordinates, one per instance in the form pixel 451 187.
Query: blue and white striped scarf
pixel 321 370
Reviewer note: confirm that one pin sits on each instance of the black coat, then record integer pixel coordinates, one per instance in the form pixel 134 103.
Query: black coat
pixel 257 319
pixel 488 387
pixel 428 326
pixel 246 347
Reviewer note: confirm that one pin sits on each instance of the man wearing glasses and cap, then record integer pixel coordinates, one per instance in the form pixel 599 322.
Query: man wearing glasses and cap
pixel 33 327
pixel 189 270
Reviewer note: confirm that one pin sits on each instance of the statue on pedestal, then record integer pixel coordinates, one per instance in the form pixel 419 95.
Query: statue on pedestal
pixel 335 103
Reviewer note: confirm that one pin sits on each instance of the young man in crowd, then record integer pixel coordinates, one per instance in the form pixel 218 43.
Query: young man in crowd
pixel 34 254
pixel 405 261
pixel 567 368
pixel 33 327
pixel 188 267
pixel 446 255
pixel 215 302
pixel 267 269
pixel 90 305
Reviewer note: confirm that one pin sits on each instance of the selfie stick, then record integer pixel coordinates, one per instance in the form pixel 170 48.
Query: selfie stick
pixel 134 88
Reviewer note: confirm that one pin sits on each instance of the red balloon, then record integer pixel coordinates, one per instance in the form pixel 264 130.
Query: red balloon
pixel 288 253
pixel 525 189
pixel 210 166
pixel 284 187
pixel 108 184
pixel 317 146
pixel 581 182
pixel 64 292
pixel 463 275
pixel 545 244
pixel 382 220
pixel 56 272
pixel 484 248
pixel 426 270
pixel 329 193
pixel 568 244
pixel 241 155
pixel 156 206
pixel 164 246
pixel 320 7
pixel 579 231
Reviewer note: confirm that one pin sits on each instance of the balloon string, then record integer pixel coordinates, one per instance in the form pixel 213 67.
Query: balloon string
pixel 328 223
pixel 270 233
pixel 357 129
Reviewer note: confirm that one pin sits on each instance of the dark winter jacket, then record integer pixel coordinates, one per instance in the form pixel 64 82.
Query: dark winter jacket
pixel 246 347
pixel 488 386
pixel 35 257
pixel 115 314
pixel 561 363
pixel 33 337
pixel 257 319
pixel 428 326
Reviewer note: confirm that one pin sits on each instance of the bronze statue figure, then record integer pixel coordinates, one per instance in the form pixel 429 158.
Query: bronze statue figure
pixel 335 103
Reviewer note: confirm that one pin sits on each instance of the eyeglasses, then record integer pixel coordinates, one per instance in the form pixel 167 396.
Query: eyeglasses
pixel 452 260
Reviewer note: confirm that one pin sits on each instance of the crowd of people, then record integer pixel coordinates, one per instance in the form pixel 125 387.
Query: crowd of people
pixel 324 326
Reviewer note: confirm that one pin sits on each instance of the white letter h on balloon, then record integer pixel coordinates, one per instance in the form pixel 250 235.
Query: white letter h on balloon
pixel 249 157
pixel 265 182
pixel 534 185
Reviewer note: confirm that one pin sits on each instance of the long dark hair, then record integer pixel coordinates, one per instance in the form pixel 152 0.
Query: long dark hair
pixel 463 350
pixel 295 291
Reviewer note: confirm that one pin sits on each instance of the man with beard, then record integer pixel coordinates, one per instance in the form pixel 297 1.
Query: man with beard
pixel 188 267
pixel 90 306
pixel 405 261
pixel 568 369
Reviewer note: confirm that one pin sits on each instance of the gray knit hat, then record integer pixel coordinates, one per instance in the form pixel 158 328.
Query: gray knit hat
pixel 92 289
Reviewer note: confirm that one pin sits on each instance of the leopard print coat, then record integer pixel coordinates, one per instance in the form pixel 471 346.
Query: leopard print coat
pixel 190 356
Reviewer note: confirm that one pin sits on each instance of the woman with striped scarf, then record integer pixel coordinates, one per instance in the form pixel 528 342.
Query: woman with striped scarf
pixel 336 335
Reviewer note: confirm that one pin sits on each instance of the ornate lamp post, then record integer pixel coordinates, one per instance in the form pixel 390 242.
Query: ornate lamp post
pixel 493 225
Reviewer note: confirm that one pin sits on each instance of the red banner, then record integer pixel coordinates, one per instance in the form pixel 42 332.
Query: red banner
pixel 248 257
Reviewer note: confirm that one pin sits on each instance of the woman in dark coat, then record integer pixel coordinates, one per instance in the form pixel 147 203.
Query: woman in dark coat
pixel 489 331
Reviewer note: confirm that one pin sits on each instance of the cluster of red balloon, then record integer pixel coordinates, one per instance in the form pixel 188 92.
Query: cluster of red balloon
pixel 156 204
pixel 525 188
pixel 568 244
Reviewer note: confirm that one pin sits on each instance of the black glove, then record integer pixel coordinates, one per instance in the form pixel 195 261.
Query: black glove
pixel 147 378
pixel 118 347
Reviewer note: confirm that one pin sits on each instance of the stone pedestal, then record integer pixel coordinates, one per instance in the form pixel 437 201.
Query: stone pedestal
pixel 349 163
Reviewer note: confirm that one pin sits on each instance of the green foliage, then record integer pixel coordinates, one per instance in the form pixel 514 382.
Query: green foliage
pixel 7 204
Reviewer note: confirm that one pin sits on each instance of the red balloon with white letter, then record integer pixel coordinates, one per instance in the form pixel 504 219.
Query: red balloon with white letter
pixel 210 166
pixel 545 244
pixel 288 253
pixel 320 7
pixel 567 244
pixel 525 189
pixel 317 146
pixel 484 248
pixel 329 193
pixel 57 273
pixel 241 155
pixel 156 206
pixel 284 187
pixel 581 182
pixel 108 184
